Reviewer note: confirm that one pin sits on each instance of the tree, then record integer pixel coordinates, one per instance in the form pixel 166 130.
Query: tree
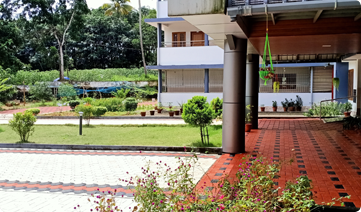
pixel 217 106
pixel 118 7
pixel 23 125
pixel 57 18
pixel 197 112
pixel 4 87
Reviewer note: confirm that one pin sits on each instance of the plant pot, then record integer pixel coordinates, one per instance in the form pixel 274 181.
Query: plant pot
pixel 170 107
pixel 347 114
pixel 291 108
pixel 152 112
pixel 176 112
pixel 299 108
pixel 143 113
pixel 285 109
pixel 159 110
pixel 171 113
pixel 263 109
pixel 248 127
pixel 274 109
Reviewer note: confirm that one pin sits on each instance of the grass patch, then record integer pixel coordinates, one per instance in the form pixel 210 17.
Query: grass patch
pixel 72 113
pixel 1 130
pixel 147 135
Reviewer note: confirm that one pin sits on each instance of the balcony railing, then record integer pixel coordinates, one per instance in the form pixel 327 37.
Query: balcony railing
pixel 184 43
pixel 260 2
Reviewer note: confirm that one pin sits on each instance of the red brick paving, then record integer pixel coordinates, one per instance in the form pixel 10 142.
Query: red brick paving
pixel 42 110
pixel 318 148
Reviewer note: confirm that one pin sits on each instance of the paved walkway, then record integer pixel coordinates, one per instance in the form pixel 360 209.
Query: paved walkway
pixel 329 156
pixel 46 180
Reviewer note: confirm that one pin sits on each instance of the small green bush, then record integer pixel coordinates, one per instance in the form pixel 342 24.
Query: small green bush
pixel 67 90
pixel 329 109
pixel 40 91
pixel 217 106
pixel 99 111
pixel 112 104
pixel 34 111
pixel 197 112
pixel 74 103
pixel 121 94
pixel 23 125
pixel 348 106
pixel 88 100
pixel 87 111
pixel 130 104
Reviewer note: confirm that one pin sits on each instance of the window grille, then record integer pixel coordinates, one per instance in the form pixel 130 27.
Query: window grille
pixel 184 81
pixel 291 80
pixel 322 79
pixel 216 80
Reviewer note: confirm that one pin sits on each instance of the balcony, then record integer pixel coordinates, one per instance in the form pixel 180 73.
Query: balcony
pixel 189 53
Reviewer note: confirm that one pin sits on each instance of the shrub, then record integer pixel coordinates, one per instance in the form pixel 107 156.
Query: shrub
pixel 3 86
pixel 348 106
pixel 197 112
pixel 23 125
pixel 99 111
pixel 67 90
pixel 40 91
pixel 130 104
pixel 87 111
pixel 8 94
pixel 88 100
pixel 274 104
pixel 121 94
pixel 329 109
pixel 74 103
pixel 112 104
pixel 217 106
pixel 34 111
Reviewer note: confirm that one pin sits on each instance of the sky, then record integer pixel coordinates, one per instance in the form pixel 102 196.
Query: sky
pixel 147 3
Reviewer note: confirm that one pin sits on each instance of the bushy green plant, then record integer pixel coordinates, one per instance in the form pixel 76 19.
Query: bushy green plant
pixel 41 91
pixel 274 103
pixel 197 112
pixel 87 111
pixel 299 102
pixel 329 109
pixel 67 90
pixel 121 94
pixel 88 100
pixel 23 125
pixel 34 111
pixel 217 106
pixel 8 94
pixel 130 104
pixel 348 106
pixel 3 86
pixel 99 111
pixel 74 103
pixel 112 104
pixel 285 103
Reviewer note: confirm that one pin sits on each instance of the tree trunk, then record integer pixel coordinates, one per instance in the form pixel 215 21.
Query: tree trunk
pixel 61 68
pixel 201 134
pixel 207 136
pixel 141 37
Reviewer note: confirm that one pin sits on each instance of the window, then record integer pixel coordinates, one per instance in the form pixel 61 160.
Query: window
pixel 322 79
pixel 197 39
pixel 350 83
pixel 179 39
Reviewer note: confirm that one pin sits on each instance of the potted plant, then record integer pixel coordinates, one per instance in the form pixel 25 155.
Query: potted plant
pixel 171 112
pixel 285 106
pixel 152 112
pixel 263 108
pixel 299 103
pixel 160 109
pixel 176 112
pixel 274 106
pixel 248 119
pixel 181 107
pixel 291 105
pixel 348 108
pixel 170 105
pixel 143 113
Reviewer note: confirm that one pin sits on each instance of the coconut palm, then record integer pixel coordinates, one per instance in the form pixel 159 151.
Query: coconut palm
pixel 141 37
pixel 118 7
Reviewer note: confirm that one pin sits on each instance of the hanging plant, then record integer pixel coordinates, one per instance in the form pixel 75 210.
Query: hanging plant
pixel 336 83
pixel 276 87
pixel 266 73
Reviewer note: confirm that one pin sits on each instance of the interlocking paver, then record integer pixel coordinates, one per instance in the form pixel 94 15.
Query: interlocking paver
pixel 58 182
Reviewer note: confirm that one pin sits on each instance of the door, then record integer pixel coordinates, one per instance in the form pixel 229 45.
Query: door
pixel 179 39
pixel 197 39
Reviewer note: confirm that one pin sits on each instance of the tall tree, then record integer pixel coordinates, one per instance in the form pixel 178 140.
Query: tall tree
pixel 57 18
pixel 118 7
pixel 141 37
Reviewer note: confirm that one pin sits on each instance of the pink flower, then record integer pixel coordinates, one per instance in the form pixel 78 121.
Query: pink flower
pixel 221 197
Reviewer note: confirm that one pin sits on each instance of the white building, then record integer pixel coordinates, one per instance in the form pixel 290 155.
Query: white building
pixel 191 60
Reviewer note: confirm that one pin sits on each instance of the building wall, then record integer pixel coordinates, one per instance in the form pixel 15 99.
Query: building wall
pixel 176 98
pixel 356 66
pixel 162 9
pixel 179 26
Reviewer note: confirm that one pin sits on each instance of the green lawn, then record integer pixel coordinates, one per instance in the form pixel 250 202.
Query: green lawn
pixel 116 135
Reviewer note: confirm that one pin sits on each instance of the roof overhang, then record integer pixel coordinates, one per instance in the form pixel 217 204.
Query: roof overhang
pixel 155 21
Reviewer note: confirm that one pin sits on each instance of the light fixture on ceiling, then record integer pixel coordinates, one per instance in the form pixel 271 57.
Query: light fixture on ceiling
pixel 326 46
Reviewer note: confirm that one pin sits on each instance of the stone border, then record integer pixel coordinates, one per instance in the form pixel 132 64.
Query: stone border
pixel 111 117
pixel 209 150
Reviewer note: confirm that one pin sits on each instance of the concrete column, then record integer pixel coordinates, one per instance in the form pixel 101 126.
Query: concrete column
pixel 252 86
pixel 311 85
pixel 159 35
pixel 206 80
pixel 234 90
pixel 159 84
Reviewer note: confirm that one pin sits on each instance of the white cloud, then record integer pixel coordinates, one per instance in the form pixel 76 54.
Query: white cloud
pixel 147 3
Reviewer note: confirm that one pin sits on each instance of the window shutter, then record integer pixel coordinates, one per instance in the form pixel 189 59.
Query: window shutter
pixel 322 79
